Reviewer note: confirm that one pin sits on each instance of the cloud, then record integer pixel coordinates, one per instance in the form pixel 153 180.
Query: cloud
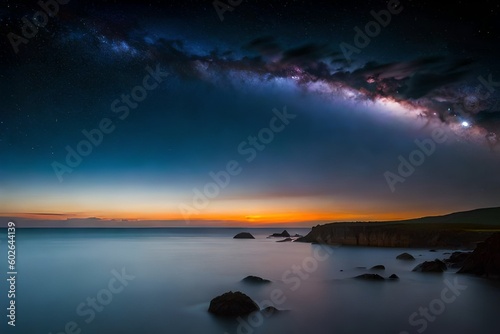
pixel 305 54
pixel 427 80
pixel 46 214
pixel 265 46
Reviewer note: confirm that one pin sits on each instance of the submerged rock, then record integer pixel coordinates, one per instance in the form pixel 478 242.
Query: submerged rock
pixel 457 259
pixel 376 277
pixel 485 259
pixel 435 266
pixel 378 267
pixel 285 240
pixel 370 277
pixel 255 279
pixel 243 235
pixel 270 310
pixel 232 304
pixel 405 257
pixel 283 234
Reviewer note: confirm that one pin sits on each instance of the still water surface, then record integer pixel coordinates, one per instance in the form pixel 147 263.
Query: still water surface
pixel 167 278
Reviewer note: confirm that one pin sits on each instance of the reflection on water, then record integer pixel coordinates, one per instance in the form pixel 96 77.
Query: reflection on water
pixel 162 280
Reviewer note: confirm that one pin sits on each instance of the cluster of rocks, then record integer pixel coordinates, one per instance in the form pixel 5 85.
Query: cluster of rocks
pixel 376 277
pixel 284 234
pixel 484 261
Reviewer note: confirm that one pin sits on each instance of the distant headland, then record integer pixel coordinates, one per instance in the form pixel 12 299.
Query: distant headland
pixel 456 230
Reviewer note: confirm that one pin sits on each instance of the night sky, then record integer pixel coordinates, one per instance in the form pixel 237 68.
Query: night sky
pixel 119 113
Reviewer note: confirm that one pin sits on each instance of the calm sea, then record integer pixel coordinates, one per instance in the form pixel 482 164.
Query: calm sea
pixel 158 281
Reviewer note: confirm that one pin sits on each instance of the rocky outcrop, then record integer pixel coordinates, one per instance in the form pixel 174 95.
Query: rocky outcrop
pixel 435 266
pixel 395 235
pixel 270 310
pixel 378 267
pixel 285 240
pixel 376 277
pixel 232 304
pixel 457 259
pixel 405 257
pixel 255 280
pixel 370 277
pixel 485 260
pixel 283 234
pixel 243 235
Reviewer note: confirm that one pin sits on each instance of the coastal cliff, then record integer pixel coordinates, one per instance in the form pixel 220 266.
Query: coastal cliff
pixel 382 235
pixel 464 231
pixel 456 230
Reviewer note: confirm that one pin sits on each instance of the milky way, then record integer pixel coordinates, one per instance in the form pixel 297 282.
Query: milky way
pixel 424 65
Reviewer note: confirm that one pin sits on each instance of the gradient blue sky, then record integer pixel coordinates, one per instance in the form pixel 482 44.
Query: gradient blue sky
pixel 351 121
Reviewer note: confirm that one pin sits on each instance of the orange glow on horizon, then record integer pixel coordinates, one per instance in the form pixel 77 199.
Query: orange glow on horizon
pixel 237 219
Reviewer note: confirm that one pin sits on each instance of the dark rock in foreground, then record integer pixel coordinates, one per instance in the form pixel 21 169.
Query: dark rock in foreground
pixel 370 277
pixel 243 235
pixel 378 267
pixel 255 279
pixel 285 240
pixel 485 259
pixel 376 277
pixel 232 304
pixel 283 234
pixel 435 266
pixel 405 256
